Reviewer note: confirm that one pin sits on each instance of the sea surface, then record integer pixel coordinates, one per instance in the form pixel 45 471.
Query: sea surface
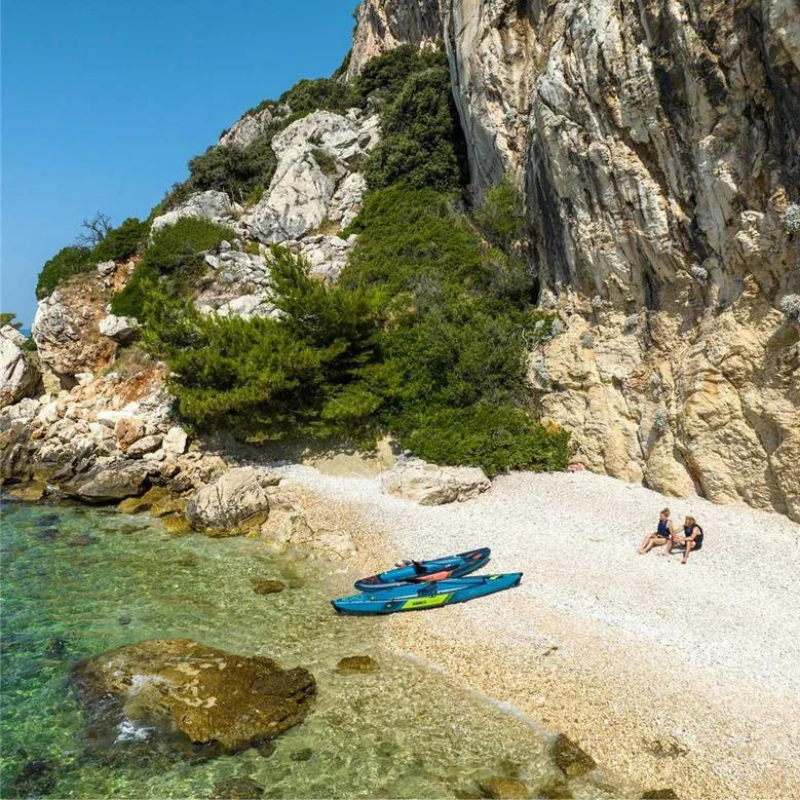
pixel 79 581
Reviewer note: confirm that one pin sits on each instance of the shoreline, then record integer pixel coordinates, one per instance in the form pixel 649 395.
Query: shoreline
pixel 671 676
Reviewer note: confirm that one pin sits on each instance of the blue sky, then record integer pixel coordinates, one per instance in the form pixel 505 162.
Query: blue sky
pixel 104 102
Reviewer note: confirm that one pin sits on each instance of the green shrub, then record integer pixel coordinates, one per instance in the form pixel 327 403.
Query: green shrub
pixel 121 243
pixel 174 257
pixel 408 236
pixel 130 301
pixel 9 318
pixel 383 77
pixel 495 437
pixel 175 246
pixel 235 170
pixel 67 262
pixel 321 94
pixel 311 372
pixel 421 140
pixel 501 215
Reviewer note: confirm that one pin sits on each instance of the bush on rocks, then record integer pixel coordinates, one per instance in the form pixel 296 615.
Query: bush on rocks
pixel 173 260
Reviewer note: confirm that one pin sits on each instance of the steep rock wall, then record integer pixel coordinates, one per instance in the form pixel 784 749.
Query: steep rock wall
pixel 657 144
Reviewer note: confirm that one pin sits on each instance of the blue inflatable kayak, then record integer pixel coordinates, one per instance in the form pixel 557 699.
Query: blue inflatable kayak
pixel 416 596
pixel 435 570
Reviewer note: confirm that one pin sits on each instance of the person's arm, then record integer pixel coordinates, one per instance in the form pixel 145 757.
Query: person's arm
pixel 695 532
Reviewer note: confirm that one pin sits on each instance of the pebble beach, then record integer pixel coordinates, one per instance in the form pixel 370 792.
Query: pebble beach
pixel 672 676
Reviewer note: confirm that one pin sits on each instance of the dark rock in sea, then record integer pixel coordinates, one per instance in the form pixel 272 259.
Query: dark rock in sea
pixel 57 648
pixel 570 758
pixel 125 619
pixel 47 520
pixel 358 664
pixel 128 529
pixel 555 790
pixel 264 748
pixel 195 700
pixel 36 778
pixel 500 788
pixel 46 534
pixel 84 540
pixel 267 586
pixel 189 562
pixel 659 794
pixel 237 789
pixel 306 754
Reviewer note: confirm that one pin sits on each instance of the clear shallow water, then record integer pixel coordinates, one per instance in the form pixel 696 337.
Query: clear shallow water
pixel 77 582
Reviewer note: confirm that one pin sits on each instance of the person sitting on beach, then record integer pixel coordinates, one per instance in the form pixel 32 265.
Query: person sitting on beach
pixel 691 539
pixel 663 534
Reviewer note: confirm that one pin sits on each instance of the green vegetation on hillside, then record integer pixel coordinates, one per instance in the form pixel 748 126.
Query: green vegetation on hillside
pixel 117 244
pixel 425 333
pixel 427 344
pixel 173 257
pixel 421 140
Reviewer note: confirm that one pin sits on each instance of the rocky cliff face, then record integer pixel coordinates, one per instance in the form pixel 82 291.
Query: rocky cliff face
pixel 657 145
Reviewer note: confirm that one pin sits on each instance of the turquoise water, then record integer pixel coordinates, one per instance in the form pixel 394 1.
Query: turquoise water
pixel 79 581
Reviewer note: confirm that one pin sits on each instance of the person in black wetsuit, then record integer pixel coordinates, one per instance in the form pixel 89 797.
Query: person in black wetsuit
pixel 662 535
pixel 691 539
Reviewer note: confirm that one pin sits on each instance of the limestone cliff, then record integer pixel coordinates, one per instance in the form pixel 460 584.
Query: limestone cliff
pixel 658 147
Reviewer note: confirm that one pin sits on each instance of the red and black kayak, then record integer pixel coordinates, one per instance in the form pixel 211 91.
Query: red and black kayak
pixel 423 571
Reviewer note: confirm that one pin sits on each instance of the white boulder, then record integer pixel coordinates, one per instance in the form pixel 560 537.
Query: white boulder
pixel 211 205
pixel 236 502
pixel 18 374
pixel 248 129
pixel 121 329
pixel 317 157
pixel 106 268
pixel 432 485
pixel 175 440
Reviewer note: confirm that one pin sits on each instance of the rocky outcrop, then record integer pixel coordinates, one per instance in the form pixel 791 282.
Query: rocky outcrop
pixel 188 695
pixel 65 330
pixel 238 284
pixel 235 503
pixel 431 485
pixel 246 130
pixel 317 177
pixel 381 25
pixel 210 205
pixel 656 148
pixel 108 481
pixel 19 376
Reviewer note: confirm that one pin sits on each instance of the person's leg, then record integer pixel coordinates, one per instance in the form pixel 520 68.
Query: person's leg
pixel 641 549
pixel 689 546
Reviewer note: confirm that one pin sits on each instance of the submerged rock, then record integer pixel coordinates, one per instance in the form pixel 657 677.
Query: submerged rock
pixel 177 525
pixel 570 758
pixel 36 778
pixel 500 788
pixel 431 485
pixel 237 789
pixel 659 794
pixel 182 693
pixel 358 664
pixel 267 586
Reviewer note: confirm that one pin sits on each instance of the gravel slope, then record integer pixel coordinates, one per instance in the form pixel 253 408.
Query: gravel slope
pixel 686 676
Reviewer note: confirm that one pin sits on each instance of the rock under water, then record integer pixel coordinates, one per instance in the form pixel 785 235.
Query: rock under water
pixel 182 694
